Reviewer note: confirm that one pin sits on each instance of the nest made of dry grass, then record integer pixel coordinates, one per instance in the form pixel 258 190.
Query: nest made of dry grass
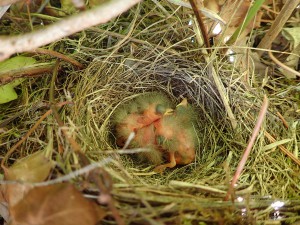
pixel 159 53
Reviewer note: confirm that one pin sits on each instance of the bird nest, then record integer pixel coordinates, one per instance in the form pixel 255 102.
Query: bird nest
pixel 194 190
pixel 119 68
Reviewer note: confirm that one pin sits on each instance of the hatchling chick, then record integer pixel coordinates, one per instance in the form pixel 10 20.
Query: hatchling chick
pixel 153 106
pixel 137 116
pixel 176 134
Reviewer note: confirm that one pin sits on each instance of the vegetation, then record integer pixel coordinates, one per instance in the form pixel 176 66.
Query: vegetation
pixel 66 68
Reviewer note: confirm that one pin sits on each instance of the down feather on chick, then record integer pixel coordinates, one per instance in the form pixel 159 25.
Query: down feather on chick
pixel 137 116
pixel 177 136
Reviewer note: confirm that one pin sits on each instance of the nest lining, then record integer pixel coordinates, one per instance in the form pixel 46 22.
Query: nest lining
pixel 144 62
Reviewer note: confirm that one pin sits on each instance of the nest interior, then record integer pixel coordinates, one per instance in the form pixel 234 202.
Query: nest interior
pixel 144 51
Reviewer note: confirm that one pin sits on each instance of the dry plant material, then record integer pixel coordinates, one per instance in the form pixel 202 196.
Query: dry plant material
pixel 210 8
pixel 21 113
pixel 60 56
pixel 283 149
pixel 277 25
pixel 33 168
pixel 255 133
pixel 196 8
pixel 112 78
pixel 35 70
pixel 55 205
pixel 246 22
pixel 235 13
pixel 98 15
pixel 29 133
pixel 282 65
pixel 99 176
pixel 285 124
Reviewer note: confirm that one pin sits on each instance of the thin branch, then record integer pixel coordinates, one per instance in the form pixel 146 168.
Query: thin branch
pixel 198 14
pixel 255 133
pixel 98 15
pixel 283 149
pixel 6 77
pixel 285 67
pixel 60 56
pixel 285 124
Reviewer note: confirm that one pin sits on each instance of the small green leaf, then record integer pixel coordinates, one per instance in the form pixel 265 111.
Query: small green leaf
pixel 7 92
pixel 16 63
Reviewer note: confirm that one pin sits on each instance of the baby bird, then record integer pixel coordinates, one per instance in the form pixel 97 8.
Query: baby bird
pixel 177 137
pixel 138 117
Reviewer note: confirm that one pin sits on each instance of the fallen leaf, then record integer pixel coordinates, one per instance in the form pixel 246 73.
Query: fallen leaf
pixel 293 37
pixel 33 168
pixel 3 207
pixel 55 205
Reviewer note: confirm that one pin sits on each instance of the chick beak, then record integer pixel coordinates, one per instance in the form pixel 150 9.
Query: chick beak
pixel 169 112
pixel 183 103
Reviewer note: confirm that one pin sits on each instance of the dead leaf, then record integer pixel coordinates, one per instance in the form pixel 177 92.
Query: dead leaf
pixel 234 13
pixel 3 207
pixel 33 168
pixel 55 205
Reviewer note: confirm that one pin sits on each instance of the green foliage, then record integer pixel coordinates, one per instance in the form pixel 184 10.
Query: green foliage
pixel 7 92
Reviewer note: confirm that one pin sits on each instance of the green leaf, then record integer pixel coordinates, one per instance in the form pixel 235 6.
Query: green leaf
pixel 7 92
pixel 16 63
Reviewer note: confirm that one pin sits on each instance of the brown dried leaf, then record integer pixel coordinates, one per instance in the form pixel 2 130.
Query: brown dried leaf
pixel 235 17
pixel 33 168
pixel 3 207
pixel 55 205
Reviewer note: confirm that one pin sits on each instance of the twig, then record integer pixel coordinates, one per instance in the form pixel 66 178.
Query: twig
pixel 60 56
pixel 255 133
pixel 98 15
pixel 283 65
pixel 285 124
pixel 30 71
pixel 198 15
pixel 277 25
pixel 283 149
